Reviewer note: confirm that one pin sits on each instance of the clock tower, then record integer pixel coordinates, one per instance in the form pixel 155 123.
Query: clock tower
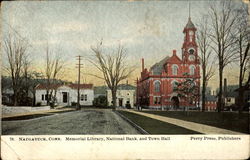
pixel 189 47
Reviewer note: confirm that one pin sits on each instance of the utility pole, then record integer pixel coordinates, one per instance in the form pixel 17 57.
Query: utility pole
pixel 79 65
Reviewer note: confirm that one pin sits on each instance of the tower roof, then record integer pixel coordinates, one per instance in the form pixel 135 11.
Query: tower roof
pixel 190 24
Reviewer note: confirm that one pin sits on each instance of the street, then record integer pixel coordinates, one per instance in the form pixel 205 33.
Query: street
pixel 102 121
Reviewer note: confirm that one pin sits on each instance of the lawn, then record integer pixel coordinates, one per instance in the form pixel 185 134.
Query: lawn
pixel 153 126
pixel 227 120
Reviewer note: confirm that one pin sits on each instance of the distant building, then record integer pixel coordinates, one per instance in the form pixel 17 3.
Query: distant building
pixel 66 94
pixel 230 98
pixel 211 103
pixel 246 97
pixel 100 91
pixel 7 96
pixel 125 96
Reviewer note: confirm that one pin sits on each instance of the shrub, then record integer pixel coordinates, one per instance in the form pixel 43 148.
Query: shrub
pixel 73 103
pixel 128 106
pixel 100 101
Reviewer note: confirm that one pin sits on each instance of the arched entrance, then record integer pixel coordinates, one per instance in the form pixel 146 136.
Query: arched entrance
pixel 175 102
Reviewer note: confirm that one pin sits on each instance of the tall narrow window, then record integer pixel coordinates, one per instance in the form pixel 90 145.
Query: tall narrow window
pixel 157 86
pixel 191 38
pixel 42 97
pixel 174 84
pixel 174 69
pixel 191 70
pixel 82 97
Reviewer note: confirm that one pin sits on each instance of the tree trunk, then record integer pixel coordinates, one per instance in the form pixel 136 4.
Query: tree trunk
pixel 203 96
pixel 241 91
pixel 47 92
pixel 241 99
pixel 220 102
pixel 34 97
pixel 113 92
pixel 15 97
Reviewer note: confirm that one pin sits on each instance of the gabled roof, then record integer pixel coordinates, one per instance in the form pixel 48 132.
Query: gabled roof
pixel 174 59
pixel 56 86
pixel 231 94
pixel 157 68
pixel 51 86
pixel 82 86
pixel 126 87
pixel 211 98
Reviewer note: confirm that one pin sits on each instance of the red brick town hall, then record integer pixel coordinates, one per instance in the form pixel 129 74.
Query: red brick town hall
pixel 155 87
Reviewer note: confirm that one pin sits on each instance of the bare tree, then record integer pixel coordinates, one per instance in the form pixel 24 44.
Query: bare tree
pixel 112 66
pixel 242 45
pixel 53 67
pixel 26 76
pixel 16 50
pixel 223 21
pixel 205 56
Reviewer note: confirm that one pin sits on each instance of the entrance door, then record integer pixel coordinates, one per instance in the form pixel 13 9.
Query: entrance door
pixel 120 101
pixel 65 97
pixel 175 102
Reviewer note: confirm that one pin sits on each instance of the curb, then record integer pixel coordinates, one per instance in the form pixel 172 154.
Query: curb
pixel 30 114
pixel 141 130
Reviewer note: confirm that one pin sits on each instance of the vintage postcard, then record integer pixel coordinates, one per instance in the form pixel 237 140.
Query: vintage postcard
pixel 125 79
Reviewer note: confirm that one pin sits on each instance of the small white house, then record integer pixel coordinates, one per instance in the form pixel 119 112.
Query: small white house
pixel 66 94
pixel 230 98
pixel 125 95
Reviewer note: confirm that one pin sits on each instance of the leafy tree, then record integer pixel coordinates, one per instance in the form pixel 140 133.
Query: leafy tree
pixel 187 90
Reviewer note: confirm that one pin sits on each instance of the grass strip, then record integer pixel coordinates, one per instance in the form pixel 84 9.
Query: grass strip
pixel 226 120
pixel 153 126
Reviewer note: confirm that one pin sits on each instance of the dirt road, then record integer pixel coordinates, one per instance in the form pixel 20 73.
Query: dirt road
pixel 79 122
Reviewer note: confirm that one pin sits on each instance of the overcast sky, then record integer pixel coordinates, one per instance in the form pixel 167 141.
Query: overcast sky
pixel 146 29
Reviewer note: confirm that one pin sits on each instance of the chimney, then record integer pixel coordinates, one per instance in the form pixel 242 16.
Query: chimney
pixel 142 63
pixel 225 87
pixel 174 52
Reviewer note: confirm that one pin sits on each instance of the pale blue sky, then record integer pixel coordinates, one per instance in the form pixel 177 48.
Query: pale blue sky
pixel 146 29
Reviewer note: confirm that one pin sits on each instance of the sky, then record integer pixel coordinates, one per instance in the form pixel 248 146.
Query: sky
pixel 147 29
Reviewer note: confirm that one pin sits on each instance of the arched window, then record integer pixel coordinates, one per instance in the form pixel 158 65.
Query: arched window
pixel 174 69
pixel 174 84
pixel 157 86
pixel 191 70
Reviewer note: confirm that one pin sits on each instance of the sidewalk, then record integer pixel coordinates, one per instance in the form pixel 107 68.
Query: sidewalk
pixel 201 128
pixel 38 112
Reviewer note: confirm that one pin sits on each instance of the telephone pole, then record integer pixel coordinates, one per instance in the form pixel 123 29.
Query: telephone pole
pixel 79 66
